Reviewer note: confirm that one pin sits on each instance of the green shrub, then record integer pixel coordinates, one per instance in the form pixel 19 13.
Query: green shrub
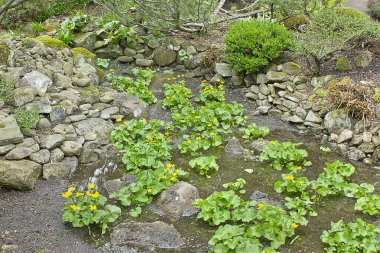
pixel 343 64
pixel 251 45
pixel 330 31
pixel 27 119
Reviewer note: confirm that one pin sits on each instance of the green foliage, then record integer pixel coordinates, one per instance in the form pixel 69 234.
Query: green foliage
pixel 334 179
pixel 343 64
pixel 194 144
pixel 184 56
pixel 104 63
pixel 117 32
pixel 209 93
pixel 71 25
pixel 376 97
pixel 6 89
pixel 291 183
pixel 66 38
pixel 84 209
pixel 141 144
pixel 27 119
pixel 374 7
pixel 205 165
pixel 302 205
pixel 369 204
pixel 284 154
pixel 325 149
pixel 252 131
pixel 149 183
pixel 177 96
pixel 357 236
pixel 329 31
pixel 37 27
pixel 138 87
pixel 252 45
pixel 237 186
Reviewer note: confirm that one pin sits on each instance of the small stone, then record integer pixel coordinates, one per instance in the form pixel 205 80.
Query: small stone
pixel 291 68
pixel 44 124
pixel 20 175
pixel 355 154
pixel 41 157
pixel 274 76
pixel 37 80
pixel 59 170
pixel 312 117
pixel 5 149
pixel 52 141
pixel 57 155
pixel 346 135
pixel 71 148
pixel 125 59
pixel 144 62
pixel 363 59
pixel 9 131
pixel 90 136
pixel 367 136
pixel 295 119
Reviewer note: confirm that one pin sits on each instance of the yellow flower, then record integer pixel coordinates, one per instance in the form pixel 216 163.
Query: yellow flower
pixel 272 142
pixel 299 168
pixel 75 207
pixel 149 190
pixel 93 207
pixel 91 186
pixel 178 75
pixel 66 194
pixel 300 182
pixel 168 78
pixel 222 83
pixel 169 165
pixel 79 194
pixel 183 75
pixel 177 170
pixel 172 179
pixel 72 188
pixel 218 80
pixel 198 138
pixel 295 225
pixel 167 133
pixel 209 125
pixel 95 195
pixel 88 193
pixel 173 78
pixel 204 81
pixel 119 120
pixel 188 141
pixel 260 206
pixel 197 117
pixel 289 178
pixel 143 120
pixel 125 122
pixel 174 174
pixel 164 177
pixel 245 117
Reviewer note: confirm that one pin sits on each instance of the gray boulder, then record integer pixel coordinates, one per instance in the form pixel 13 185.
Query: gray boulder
pixel 37 80
pixel 85 40
pixel 274 76
pixel 41 157
pixel 336 121
pixel 19 153
pixel 9 131
pixel 20 175
pixel 363 59
pixel 60 170
pixel 291 68
pixel 100 127
pixel 52 141
pixel 355 154
pixel 157 234
pixel 164 56
pixel 177 200
pixel 71 148
pixel 223 69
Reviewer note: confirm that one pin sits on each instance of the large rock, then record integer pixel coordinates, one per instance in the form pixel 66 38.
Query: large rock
pixel 19 153
pixel 178 200
pixel 41 157
pixel 274 76
pixel 130 105
pixel 100 127
pixel 291 68
pixel 35 79
pixel 336 121
pixel 20 175
pixel 85 40
pixel 22 96
pixel 157 234
pixel 52 141
pixel 234 147
pixel 60 170
pixel 223 69
pixel 71 148
pixel 9 131
pixel 355 154
pixel 164 56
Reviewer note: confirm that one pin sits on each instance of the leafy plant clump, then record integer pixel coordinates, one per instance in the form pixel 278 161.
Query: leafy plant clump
pixel 149 183
pixel 142 144
pixel 138 87
pixel 252 131
pixel 252 45
pixel 357 236
pixel 103 63
pixel 88 208
pixel 6 89
pixel 27 119
pixel 205 165
pixel 284 154
pixel 369 204
pixel 177 96
pixel 236 186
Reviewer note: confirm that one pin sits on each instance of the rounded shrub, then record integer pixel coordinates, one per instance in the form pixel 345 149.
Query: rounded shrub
pixel 252 45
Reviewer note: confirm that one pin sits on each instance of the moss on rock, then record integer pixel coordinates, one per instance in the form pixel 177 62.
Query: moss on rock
pixel 81 50
pixel 296 21
pixel 51 42
pixel 4 54
pixel 343 64
pixel 101 75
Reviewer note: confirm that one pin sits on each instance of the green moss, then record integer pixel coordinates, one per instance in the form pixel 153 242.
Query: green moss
pixel 296 21
pixel 51 42
pixel 101 75
pixel 345 80
pixel 2 125
pixel 376 97
pixel 4 54
pixel 352 13
pixel 80 50
pixel 343 64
